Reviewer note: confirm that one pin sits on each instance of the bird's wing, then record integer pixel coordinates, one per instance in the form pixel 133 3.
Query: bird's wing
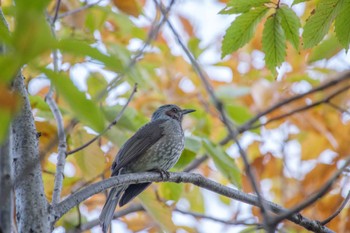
pixel 138 144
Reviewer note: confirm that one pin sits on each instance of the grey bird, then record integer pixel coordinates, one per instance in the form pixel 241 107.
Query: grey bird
pixel 156 146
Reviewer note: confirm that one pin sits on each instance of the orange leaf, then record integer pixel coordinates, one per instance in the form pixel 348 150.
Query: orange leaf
pixel 130 7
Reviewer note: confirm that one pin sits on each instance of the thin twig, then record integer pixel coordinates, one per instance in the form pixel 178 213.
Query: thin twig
pixel 342 110
pixel 304 108
pixel 320 193
pixel 335 214
pixel 62 144
pixel 156 26
pixel 87 6
pixel 114 122
pixel 246 126
pixel 220 108
pixel 56 11
pixel 227 222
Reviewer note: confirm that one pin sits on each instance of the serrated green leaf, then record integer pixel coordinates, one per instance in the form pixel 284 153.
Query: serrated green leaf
pixel 274 42
pixel 225 164
pixel 83 109
pixel 318 24
pixel 82 48
pixel 242 30
pixel 241 6
pixel 327 49
pixel 290 23
pixel 342 25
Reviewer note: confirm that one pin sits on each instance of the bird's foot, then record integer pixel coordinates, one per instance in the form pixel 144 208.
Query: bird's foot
pixel 163 173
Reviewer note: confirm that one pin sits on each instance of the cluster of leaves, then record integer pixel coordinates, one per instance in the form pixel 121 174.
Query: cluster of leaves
pixel 101 36
pixel 281 24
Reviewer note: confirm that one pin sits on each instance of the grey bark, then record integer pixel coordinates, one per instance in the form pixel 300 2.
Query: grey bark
pixel 6 210
pixel 32 209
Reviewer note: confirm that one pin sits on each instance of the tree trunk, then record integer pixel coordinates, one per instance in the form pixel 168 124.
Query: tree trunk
pixel 32 208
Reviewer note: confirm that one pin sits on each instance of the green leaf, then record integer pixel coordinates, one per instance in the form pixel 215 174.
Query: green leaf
pixel 83 109
pixel 239 113
pixel 231 91
pixel 170 191
pixel 4 30
pixel 342 25
pixel 242 30
pixel 327 49
pixel 299 1
pixel 290 23
pixel 241 6
pixel 95 18
pixel 95 84
pixel 274 42
pixel 195 197
pixel 318 24
pixel 5 119
pixel 82 48
pixel 186 157
pixel 193 144
pixel 226 165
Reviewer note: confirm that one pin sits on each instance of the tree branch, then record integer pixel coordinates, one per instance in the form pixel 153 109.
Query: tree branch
pixel 181 177
pixel 62 144
pixel 304 108
pixel 335 214
pixel 320 193
pixel 248 125
pixel 87 6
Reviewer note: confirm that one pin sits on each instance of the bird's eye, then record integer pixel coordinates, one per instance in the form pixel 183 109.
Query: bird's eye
pixel 175 110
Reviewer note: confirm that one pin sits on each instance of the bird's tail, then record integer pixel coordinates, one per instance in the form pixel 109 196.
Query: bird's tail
pixel 107 213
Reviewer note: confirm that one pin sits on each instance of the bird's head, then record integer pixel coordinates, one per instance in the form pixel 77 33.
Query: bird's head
pixel 170 111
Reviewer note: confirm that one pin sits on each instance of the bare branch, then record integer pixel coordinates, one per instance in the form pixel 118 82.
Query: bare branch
pixel 87 226
pixel 304 108
pixel 320 193
pixel 226 222
pixel 220 107
pixel 335 214
pixel 56 12
pixel 87 6
pixel 152 35
pixel 114 122
pixel 248 125
pixel 181 177
pixel 62 144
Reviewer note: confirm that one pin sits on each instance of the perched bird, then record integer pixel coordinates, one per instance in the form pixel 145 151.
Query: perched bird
pixel 156 146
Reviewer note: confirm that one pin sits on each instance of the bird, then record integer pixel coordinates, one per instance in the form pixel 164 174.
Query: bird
pixel 156 146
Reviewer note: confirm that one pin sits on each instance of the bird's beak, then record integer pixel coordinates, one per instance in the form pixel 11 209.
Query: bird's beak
pixel 186 111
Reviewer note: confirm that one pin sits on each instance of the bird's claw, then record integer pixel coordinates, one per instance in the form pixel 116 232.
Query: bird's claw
pixel 163 173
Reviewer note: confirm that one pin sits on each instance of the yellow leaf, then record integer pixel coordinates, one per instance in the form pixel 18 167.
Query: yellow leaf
pixel 160 212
